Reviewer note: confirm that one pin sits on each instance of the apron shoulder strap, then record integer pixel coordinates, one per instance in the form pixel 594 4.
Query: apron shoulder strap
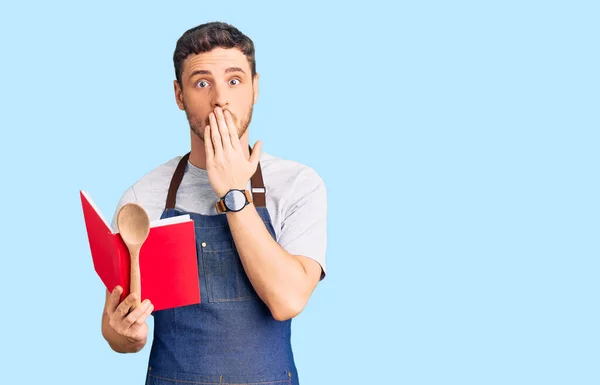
pixel 258 188
pixel 176 181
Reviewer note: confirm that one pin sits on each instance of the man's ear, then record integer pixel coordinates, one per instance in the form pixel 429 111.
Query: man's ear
pixel 255 87
pixel 178 95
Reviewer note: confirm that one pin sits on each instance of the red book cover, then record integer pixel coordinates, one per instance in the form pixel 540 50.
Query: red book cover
pixel 168 262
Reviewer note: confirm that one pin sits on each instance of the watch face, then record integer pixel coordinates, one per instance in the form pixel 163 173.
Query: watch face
pixel 235 200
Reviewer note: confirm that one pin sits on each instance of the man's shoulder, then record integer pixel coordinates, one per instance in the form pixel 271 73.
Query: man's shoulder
pixel 284 175
pixel 153 185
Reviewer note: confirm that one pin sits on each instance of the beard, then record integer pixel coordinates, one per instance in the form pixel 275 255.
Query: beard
pixel 197 125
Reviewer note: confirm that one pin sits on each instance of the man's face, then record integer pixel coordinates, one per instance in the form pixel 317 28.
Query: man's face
pixel 219 78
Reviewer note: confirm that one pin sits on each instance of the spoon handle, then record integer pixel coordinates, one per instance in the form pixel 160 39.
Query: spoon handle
pixel 135 282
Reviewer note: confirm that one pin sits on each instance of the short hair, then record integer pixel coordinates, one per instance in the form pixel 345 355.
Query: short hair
pixel 208 36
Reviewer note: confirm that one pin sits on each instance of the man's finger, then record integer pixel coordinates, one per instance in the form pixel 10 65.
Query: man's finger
pixel 214 134
pixel 233 134
pixel 137 313
pixel 255 156
pixel 141 319
pixel 113 300
pixel 208 146
pixel 223 128
pixel 126 305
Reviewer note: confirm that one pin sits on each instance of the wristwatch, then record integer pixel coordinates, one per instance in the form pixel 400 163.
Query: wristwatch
pixel 234 200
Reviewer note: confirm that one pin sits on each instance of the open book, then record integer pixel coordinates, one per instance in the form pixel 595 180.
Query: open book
pixel 168 262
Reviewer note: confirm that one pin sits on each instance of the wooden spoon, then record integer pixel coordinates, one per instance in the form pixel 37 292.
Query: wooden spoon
pixel 134 226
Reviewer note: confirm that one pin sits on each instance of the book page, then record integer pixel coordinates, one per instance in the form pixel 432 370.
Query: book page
pixel 89 199
pixel 170 221
pixel 155 223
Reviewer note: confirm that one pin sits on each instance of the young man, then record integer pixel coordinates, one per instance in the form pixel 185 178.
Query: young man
pixel 260 229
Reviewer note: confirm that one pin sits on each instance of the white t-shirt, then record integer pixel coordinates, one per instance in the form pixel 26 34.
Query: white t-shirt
pixel 296 199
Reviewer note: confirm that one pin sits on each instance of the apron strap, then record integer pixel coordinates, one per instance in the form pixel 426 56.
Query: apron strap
pixel 256 182
pixel 176 181
pixel 258 188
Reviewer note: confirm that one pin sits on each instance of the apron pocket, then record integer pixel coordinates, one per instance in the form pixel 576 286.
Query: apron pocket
pixel 226 279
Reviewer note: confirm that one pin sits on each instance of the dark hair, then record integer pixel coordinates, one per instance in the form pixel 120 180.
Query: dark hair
pixel 206 37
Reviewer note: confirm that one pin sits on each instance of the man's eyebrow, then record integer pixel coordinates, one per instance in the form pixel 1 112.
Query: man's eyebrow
pixel 228 70
pixel 200 72
pixel 234 69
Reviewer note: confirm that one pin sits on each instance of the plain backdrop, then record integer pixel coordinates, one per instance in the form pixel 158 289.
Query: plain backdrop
pixel 458 142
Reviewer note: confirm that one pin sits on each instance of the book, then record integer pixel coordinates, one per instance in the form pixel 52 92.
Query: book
pixel 168 261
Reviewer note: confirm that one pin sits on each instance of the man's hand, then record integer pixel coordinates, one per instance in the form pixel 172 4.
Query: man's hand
pixel 226 163
pixel 131 325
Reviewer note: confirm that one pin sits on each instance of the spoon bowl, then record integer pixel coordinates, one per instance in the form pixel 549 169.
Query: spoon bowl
pixel 134 227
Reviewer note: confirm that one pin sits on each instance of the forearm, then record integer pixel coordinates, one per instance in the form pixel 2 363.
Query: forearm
pixel 278 277
pixel 118 343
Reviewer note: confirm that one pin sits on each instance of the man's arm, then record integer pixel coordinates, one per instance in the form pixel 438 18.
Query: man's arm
pixel 282 280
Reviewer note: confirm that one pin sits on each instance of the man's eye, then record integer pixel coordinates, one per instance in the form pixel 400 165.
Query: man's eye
pixel 202 84
pixel 234 82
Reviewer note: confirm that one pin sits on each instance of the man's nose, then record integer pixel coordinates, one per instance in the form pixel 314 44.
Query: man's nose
pixel 220 98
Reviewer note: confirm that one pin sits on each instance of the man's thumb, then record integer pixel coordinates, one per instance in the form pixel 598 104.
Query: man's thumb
pixel 255 156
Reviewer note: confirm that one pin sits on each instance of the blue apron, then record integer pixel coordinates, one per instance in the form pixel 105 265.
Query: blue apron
pixel 231 336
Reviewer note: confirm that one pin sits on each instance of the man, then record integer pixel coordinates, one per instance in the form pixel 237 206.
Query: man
pixel 260 228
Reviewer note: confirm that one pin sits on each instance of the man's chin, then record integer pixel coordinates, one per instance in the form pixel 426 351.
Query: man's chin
pixel 197 133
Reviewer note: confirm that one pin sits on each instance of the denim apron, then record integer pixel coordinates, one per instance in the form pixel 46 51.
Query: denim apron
pixel 231 336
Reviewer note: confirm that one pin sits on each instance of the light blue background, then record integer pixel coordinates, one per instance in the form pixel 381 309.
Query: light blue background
pixel 458 142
